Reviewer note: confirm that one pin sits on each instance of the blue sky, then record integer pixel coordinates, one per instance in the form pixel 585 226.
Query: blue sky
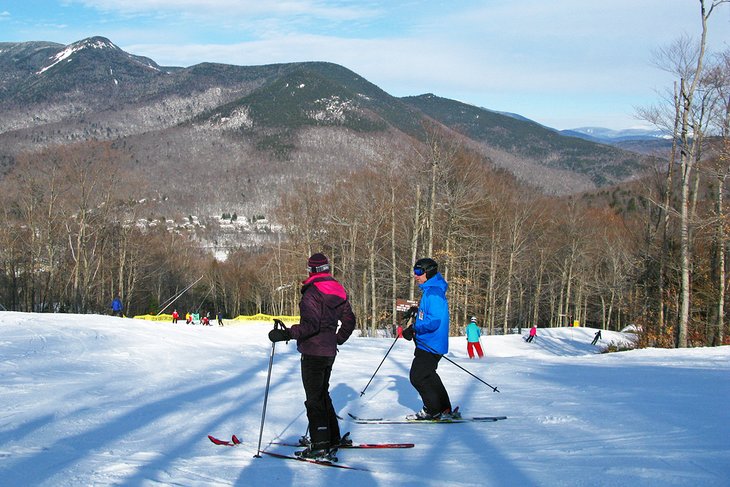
pixel 563 63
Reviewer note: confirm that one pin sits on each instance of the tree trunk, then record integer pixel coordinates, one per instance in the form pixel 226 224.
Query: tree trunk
pixel 667 202
pixel 508 294
pixel 373 294
pixel 538 289
pixel 414 242
pixel 721 273
pixel 687 160
pixel 394 267
pixel 432 204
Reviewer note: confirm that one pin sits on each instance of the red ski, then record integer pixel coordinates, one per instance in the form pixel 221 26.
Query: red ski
pixel 355 445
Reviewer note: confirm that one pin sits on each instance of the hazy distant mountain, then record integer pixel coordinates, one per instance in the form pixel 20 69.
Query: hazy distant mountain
pixel 234 132
pixel 609 135
pixel 644 141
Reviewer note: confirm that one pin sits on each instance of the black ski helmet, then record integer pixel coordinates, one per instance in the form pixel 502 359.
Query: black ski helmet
pixel 428 266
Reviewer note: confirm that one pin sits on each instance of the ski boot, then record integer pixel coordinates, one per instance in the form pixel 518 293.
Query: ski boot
pixel 451 414
pixel 318 454
pixel 345 441
pixel 422 415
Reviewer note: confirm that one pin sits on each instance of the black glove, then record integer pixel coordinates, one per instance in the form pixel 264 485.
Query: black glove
pixel 410 313
pixel 408 333
pixel 279 335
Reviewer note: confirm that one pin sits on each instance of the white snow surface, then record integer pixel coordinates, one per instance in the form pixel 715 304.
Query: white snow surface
pixel 98 400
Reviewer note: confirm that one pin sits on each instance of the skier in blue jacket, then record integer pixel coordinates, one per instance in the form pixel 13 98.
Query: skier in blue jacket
pixel 117 306
pixel 430 333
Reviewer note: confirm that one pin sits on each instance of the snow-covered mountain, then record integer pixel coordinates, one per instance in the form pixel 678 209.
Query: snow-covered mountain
pixel 226 126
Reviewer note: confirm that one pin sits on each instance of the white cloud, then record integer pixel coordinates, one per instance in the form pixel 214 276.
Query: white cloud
pixel 225 9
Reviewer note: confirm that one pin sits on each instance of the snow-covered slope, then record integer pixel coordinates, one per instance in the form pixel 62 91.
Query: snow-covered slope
pixel 96 400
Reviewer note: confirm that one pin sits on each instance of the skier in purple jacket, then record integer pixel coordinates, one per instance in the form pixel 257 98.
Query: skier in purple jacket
pixel 323 306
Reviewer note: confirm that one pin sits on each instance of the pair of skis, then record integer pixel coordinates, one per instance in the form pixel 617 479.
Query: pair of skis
pixel 477 419
pixel 234 441
pixel 329 463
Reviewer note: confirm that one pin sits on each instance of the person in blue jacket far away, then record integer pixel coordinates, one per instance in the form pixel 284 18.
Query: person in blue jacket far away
pixel 117 306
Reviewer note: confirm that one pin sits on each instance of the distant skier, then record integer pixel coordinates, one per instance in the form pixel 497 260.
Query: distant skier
pixel 219 315
pixel 472 338
pixel 117 306
pixel 596 337
pixel 175 316
pixel 533 334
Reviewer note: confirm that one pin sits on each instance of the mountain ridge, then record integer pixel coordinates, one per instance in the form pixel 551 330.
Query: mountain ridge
pixel 317 117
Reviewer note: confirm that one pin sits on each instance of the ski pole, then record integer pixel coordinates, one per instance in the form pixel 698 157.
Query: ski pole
pixel 381 363
pixel 407 317
pixel 277 324
pixel 429 349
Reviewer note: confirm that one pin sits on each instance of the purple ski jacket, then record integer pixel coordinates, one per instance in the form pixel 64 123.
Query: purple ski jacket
pixel 323 306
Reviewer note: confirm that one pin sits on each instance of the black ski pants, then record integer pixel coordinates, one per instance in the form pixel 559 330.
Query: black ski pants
pixel 428 383
pixel 324 430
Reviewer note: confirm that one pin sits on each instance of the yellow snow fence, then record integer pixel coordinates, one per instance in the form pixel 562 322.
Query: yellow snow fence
pixel 238 320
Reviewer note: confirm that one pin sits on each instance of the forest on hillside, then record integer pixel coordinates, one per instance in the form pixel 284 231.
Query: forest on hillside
pixel 512 256
pixel 652 254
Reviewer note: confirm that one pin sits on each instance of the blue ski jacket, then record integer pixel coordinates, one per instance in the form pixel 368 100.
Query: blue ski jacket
pixel 432 321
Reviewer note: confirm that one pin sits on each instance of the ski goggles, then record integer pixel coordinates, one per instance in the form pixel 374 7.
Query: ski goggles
pixel 419 271
pixel 319 268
